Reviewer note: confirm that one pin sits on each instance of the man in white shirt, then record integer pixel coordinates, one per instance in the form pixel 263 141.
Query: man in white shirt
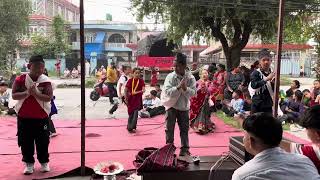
pixel 178 89
pixel 154 108
pixel 262 136
pixel 120 89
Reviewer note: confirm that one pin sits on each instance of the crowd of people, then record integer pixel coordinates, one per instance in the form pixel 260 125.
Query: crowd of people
pixel 188 97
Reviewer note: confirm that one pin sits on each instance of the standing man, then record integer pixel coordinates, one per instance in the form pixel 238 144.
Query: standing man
pixel 33 92
pixel 262 84
pixel 178 88
pixel 112 78
pixel 120 89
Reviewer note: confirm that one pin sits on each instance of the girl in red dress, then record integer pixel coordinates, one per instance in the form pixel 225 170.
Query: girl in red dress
pixel 154 78
pixel 134 90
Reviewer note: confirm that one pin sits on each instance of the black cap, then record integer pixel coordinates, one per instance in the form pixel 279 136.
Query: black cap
pixel 36 59
pixel 264 53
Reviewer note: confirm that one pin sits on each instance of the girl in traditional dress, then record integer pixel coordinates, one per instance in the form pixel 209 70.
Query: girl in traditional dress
pixel 154 77
pixel 200 113
pixel 219 81
pixel 134 90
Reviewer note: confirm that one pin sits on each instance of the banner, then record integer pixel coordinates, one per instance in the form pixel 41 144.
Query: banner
pixel 160 62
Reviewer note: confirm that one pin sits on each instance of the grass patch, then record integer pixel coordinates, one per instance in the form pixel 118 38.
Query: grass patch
pixel 228 120
pixel 286 127
pixel 90 82
pixel 234 123
pixel 52 73
pixel 285 81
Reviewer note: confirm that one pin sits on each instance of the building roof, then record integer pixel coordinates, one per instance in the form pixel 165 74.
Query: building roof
pixel 118 49
pixel 39 17
pixel 214 49
pixel 196 47
pixel 274 46
pixel 121 27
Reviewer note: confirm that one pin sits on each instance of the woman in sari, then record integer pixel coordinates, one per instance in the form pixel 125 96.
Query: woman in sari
pixel 219 81
pixel 200 113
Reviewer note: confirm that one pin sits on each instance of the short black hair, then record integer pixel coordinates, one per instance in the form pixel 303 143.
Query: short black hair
pixel 265 127
pixel 306 90
pixel 264 53
pixel 4 83
pixel 311 118
pixel 158 85
pixel 298 94
pixel 125 67
pixel 153 92
pixel 317 80
pixel 297 83
pixel 36 59
pixel 181 59
pixel 136 69
pixel 222 66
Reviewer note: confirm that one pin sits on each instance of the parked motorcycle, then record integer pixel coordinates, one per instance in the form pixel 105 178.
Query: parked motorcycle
pixel 99 90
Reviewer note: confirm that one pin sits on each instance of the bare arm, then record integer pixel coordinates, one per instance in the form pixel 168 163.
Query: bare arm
pixel 45 96
pixel 16 95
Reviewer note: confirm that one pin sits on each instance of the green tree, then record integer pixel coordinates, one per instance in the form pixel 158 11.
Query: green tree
pixel 52 45
pixel 229 21
pixel 43 45
pixel 14 22
pixel 60 36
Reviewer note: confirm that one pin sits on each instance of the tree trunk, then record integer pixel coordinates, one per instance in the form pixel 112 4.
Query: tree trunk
pixel 233 57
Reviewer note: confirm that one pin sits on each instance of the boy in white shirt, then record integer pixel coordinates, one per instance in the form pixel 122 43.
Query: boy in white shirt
pixel 235 106
pixel 153 109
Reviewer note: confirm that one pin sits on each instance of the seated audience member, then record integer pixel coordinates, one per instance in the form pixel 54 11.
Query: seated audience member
pixel 315 90
pixel 310 121
pixel 294 108
pixel 262 137
pixel 66 73
pixel 75 73
pixel 4 96
pixel 158 89
pixel 306 99
pixel 295 85
pixel 155 107
pixel 235 106
pixel 246 104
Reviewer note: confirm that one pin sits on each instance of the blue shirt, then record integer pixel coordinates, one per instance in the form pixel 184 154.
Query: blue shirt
pixel 276 164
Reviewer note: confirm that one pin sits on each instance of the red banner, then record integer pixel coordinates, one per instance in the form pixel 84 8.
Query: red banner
pixel 160 62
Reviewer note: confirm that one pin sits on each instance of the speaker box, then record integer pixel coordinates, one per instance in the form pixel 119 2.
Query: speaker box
pixel 237 150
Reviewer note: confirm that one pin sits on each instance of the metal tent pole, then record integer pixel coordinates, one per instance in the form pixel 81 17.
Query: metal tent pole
pixel 278 62
pixel 83 95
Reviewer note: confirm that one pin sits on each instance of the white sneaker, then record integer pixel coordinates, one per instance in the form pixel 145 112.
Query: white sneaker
pixel 28 169
pixel 45 167
pixel 53 135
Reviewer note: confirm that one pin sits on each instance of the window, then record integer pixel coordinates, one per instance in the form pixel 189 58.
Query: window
pixel 116 38
pixel 34 5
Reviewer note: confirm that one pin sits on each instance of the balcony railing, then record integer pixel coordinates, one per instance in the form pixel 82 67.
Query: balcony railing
pixel 76 45
pixel 115 45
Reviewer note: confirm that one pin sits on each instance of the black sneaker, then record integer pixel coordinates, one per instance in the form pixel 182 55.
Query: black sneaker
pixel 184 153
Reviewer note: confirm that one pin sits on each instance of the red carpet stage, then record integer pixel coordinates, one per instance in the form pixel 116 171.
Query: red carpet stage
pixel 105 140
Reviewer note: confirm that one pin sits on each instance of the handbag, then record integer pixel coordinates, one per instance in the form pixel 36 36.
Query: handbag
pixel 162 159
